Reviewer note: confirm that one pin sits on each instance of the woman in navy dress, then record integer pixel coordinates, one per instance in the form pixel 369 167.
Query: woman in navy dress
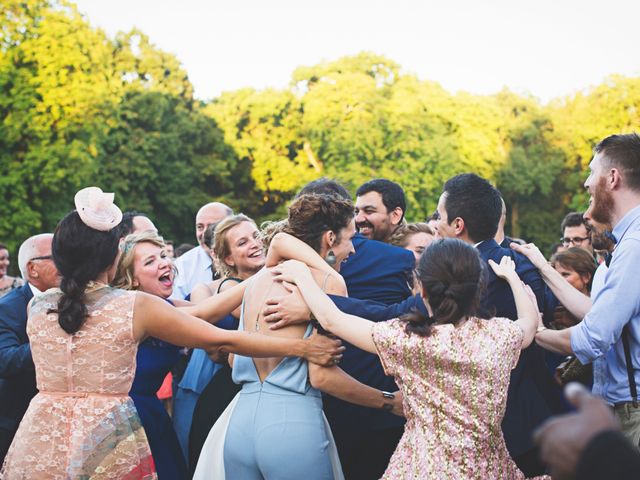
pixel 144 266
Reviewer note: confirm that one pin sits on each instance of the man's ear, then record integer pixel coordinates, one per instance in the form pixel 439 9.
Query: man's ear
pixel 614 179
pixel 458 226
pixel 396 216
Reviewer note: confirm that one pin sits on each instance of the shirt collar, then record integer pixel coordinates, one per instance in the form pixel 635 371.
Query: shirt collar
pixel 623 225
pixel 204 258
pixel 486 245
pixel 34 290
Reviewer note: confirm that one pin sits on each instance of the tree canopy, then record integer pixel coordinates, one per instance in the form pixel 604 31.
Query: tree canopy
pixel 80 108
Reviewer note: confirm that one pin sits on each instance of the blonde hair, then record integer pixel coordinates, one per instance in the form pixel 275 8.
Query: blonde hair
pixel 125 273
pixel 220 246
pixel 400 237
pixel 269 229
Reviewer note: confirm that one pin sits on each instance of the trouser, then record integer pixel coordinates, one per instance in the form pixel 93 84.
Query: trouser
pixel 365 455
pixel 277 436
pixel 629 418
pixel 529 463
pixel 6 437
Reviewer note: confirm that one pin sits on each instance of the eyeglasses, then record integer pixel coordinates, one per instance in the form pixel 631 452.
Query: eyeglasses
pixel 575 240
pixel 43 257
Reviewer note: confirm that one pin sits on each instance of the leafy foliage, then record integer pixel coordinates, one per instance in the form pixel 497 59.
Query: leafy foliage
pixel 79 108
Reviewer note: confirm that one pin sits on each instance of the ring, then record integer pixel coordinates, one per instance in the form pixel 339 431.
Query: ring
pixel 336 361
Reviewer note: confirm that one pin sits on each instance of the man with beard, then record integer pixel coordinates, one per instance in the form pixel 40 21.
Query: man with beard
pixel 366 438
pixel 378 271
pixel 611 329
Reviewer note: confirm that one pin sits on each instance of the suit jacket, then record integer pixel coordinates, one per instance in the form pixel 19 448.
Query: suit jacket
pixel 378 271
pixel 533 396
pixel 376 311
pixel 17 372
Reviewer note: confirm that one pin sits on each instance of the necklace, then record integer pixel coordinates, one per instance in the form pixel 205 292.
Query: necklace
pixel 92 286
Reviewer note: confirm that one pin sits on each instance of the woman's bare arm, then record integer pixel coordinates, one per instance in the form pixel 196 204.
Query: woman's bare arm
pixel 287 247
pixel 219 306
pixel 153 316
pixel 353 329
pixel 527 309
pixel 203 291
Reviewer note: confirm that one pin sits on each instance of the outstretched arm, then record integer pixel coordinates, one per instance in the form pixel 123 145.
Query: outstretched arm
pixel 287 247
pixel 219 306
pixel 526 306
pixel 153 316
pixel 354 329
pixel 574 301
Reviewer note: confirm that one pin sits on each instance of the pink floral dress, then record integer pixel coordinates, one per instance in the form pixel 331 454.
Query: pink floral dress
pixel 82 424
pixel 454 384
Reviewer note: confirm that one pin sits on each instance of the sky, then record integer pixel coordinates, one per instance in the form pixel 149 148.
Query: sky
pixel 545 48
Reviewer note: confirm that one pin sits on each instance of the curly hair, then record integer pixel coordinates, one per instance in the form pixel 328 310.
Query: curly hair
pixel 311 215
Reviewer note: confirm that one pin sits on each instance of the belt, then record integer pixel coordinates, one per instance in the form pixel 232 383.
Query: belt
pixel 622 405
pixel 84 394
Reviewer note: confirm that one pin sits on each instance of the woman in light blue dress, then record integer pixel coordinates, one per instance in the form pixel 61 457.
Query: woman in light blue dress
pixel 275 428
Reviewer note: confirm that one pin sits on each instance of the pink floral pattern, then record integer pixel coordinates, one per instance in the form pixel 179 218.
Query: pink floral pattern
pixel 82 424
pixel 454 384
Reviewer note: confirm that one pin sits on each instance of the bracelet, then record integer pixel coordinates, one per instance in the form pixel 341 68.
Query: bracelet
pixel 387 407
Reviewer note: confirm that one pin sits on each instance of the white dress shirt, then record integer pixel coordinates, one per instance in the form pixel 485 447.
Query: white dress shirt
pixel 194 267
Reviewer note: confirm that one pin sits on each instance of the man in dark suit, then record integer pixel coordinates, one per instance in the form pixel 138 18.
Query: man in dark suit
pixel 470 209
pixel 17 373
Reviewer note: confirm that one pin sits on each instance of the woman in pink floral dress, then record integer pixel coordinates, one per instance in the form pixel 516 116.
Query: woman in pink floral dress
pixel 453 369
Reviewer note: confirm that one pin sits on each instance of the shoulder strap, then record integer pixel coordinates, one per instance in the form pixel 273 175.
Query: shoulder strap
pixel 627 357
pixel 226 280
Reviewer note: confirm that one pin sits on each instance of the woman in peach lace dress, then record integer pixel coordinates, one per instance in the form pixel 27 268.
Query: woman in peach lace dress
pixel 453 368
pixel 84 337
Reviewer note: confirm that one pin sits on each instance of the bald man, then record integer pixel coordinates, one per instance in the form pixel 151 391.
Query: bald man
pixel 195 267
pixel 17 373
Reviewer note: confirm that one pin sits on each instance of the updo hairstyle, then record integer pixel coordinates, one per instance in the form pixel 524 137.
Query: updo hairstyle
pixel 80 254
pixel 311 215
pixel 452 276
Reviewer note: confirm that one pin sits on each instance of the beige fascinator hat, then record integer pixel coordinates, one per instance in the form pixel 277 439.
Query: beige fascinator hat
pixel 97 210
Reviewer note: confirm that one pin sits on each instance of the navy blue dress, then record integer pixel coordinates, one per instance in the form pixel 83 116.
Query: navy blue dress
pixel 155 359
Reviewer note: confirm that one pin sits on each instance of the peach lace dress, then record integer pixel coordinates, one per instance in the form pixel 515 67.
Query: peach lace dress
pixel 82 424
pixel 454 384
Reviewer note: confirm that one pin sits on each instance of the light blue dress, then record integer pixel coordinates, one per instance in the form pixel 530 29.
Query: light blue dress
pixel 277 429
